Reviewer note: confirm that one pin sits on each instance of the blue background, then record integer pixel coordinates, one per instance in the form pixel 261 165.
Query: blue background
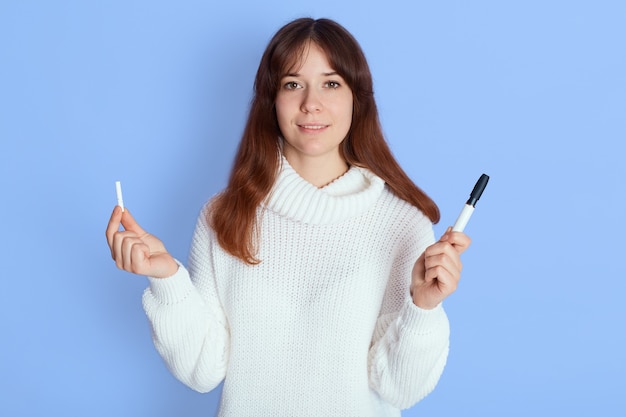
pixel 155 94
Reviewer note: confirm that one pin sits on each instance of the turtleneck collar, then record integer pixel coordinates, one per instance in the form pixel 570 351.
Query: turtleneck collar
pixel 348 196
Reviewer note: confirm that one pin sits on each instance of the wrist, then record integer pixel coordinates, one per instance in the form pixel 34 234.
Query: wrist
pixel 424 303
pixel 168 269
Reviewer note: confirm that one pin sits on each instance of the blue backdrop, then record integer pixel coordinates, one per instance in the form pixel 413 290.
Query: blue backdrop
pixel 155 94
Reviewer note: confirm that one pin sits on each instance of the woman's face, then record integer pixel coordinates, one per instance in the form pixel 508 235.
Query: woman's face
pixel 314 108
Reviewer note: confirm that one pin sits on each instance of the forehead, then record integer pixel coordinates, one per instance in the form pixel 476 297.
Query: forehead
pixel 307 52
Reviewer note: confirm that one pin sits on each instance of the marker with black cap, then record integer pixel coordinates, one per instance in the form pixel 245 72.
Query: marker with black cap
pixel 467 211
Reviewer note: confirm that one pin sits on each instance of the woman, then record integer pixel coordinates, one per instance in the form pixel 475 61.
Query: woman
pixel 314 283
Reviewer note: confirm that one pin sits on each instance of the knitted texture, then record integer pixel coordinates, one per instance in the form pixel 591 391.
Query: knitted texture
pixel 324 325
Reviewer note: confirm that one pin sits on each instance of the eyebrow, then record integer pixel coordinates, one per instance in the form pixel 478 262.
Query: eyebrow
pixel 325 74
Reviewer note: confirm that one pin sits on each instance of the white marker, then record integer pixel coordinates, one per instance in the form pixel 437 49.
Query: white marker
pixel 468 209
pixel 118 191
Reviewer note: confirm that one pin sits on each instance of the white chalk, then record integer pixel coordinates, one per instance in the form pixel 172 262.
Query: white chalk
pixel 118 191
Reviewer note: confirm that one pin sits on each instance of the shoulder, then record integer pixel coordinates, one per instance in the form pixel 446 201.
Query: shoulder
pixel 402 209
pixel 203 223
pixel 409 222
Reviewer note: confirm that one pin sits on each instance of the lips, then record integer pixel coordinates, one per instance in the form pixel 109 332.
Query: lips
pixel 311 126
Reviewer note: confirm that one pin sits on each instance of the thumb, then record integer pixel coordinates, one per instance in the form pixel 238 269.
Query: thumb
pixel 130 224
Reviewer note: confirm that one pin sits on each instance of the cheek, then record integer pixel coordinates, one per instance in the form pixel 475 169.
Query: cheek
pixel 285 107
pixel 281 113
pixel 348 112
pixel 278 105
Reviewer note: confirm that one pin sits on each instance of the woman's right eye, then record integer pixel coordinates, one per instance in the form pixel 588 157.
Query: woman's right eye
pixel 291 85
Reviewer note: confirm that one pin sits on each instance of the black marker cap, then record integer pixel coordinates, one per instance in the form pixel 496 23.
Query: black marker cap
pixel 478 190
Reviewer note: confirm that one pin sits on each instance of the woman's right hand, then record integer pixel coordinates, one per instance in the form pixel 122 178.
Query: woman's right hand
pixel 135 250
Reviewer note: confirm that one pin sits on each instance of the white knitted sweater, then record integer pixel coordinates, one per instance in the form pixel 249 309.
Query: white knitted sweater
pixel 324 325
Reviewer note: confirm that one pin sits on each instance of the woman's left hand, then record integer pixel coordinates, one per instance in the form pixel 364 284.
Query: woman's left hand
pixel 437 272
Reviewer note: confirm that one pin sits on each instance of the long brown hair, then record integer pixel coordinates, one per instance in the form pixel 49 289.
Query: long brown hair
pixel 233 212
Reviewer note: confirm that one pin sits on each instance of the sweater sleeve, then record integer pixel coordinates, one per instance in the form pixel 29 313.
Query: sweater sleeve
pixel 410 345
pixel 189 327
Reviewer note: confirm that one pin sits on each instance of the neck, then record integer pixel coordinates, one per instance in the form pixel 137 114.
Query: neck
pixel 318 170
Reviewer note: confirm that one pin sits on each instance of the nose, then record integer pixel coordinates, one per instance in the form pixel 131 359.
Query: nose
pixel 311 102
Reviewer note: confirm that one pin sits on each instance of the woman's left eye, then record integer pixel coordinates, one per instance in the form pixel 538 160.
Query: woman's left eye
pixel 332 84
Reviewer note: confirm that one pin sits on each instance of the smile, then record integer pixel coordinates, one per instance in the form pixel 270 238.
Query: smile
pixel 313 127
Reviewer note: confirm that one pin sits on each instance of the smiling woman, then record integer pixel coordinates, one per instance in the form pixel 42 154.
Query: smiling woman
pixel 260 152
pixel 315 284
pixel 314 112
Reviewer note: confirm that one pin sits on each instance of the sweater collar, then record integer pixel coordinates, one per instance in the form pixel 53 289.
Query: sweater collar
pixel 348 196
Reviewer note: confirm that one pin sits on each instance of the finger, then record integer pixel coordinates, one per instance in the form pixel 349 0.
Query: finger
pixel 114 225
pixel 460 241
pixel 123 250
pixel 444 262
pixel 444 254
pixel 120 239
pixel 441 247
pixel 130 224
pixel 445 277
pixel 447 281
pixel 431 274
pixel 135 255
